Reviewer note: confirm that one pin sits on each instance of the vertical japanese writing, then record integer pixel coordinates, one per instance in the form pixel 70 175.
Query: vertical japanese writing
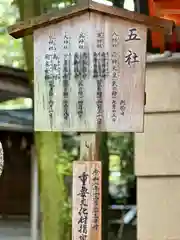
pixel 100 39
pixel 66 80
pixel 82 38
pixel 83 210
pixel 115 76
pixel 132 35
pixel 122 107
pixel 52 43
pixel 131 57
pixel 100 72
pixel 52 74
pixel 77 65
pixel 67 40
pixel 66 76
pixel 81 70
pixel 115 39
pixel 101 64
pixel 95 198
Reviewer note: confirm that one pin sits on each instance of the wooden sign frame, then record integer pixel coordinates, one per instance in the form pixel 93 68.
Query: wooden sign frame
pixel 27 27
pixel 87 84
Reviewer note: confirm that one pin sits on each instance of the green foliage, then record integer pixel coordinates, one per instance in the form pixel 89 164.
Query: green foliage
pixel 64 163
pixel 114 162
pixel 16 103
pixel 11 52
pixel 122 146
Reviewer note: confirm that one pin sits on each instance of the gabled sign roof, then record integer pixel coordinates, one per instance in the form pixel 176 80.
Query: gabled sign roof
pixel 27 27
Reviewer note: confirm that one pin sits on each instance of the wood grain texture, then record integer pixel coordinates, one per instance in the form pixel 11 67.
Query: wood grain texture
pixel 84 79
pixel 86 220
pixel 27 27
pixel 89 146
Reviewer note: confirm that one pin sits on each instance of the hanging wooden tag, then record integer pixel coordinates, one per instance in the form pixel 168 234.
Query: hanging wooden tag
pixel 86 218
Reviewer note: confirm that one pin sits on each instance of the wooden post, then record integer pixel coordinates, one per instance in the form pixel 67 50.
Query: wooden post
pixel 91 151
pixel 89 146
pixel 34 196
pixel 87 190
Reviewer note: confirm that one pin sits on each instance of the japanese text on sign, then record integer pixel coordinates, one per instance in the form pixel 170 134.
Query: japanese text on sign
pixel 95 197
pixel 92 84
pixel 87 200
pixel 83 210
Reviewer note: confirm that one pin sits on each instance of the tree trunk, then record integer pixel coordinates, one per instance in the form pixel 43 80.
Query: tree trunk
pixel 48 146
pixel 104 156
pixel 52 188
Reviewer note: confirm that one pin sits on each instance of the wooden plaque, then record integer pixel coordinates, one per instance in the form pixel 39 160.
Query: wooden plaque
pixel 86 220
pixel 89 75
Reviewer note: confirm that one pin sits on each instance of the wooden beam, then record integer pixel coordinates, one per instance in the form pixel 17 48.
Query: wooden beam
pixel 27 27
pixel 88 173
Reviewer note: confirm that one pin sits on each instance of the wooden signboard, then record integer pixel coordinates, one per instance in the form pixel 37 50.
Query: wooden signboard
pixel 86 219
pixel 89 74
